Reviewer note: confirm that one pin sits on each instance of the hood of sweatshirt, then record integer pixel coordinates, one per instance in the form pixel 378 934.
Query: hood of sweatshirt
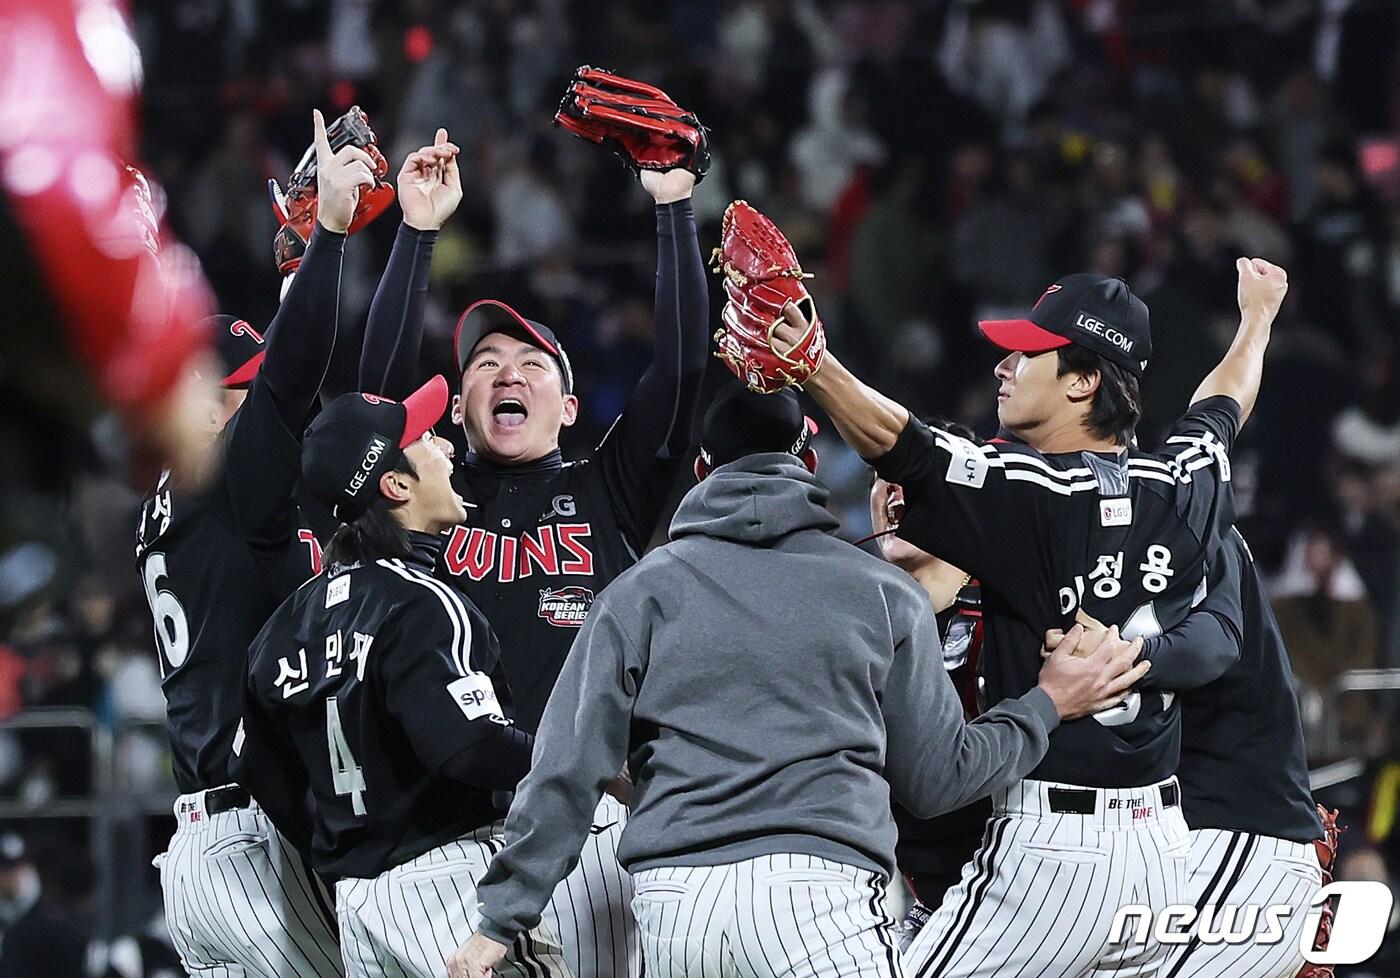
pixel 755 500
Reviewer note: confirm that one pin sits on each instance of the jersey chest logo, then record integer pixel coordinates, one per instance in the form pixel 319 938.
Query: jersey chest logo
pixel 567 607
pixel 563 548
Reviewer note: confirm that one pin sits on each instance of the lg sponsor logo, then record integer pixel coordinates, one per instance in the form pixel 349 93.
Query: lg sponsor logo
pixel 1362 914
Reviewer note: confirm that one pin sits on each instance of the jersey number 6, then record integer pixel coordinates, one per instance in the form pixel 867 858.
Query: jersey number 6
pixel 172 627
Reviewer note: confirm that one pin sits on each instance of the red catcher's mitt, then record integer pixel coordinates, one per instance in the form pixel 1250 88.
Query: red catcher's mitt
pixel 1326 856
pixel 637 121
pixel 296 209
pixel 761 276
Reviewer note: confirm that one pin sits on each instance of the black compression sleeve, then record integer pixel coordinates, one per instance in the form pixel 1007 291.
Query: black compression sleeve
pixel 496 763
pixel 666 395
pixel 302 335
pixel 394 333
pixel 1196 652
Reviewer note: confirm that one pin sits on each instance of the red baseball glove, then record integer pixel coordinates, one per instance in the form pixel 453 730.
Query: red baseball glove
pixel 296 209
pixel 637 121
pixel 761 276
pixel 1326 856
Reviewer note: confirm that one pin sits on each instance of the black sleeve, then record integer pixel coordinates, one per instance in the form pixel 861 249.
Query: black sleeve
pixel 443 704
pixel 979 509
pixel 640 453
pixel 267 763
pixel 1200 649
pixel 496 763
pixel 262 443
pixel 1195 458
pixel 394 333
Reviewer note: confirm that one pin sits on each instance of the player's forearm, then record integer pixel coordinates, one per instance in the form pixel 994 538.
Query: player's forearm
pixel 1194 653
pixel 302 335
pixel 664 403
pixel 394 332
pixel 1240 372
pixel 994 751
pixel 494 763
pixel 868 421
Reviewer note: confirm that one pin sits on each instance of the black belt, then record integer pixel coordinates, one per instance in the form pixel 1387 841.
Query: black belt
pixel 226 799
pixel 1077 801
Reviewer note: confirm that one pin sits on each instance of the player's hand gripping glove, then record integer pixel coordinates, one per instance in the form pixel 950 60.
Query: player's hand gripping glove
pixel 761 276
pixel 637 121
pixel 1326 857
pixel 296 209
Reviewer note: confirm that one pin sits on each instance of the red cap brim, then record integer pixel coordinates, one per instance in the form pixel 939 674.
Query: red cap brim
pixel 244 375
pixel 425 408
pixel 1021 335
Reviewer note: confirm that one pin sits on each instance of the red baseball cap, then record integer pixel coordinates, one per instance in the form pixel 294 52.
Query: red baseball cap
pixel 1097 313
pixel 494 316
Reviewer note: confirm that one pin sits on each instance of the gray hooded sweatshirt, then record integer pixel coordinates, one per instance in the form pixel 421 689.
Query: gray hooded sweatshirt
pixel 769 686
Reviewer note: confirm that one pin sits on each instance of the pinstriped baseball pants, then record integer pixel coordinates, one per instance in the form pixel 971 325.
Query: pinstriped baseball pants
pixel 591 910
pixel 407 921
pixel 778 916
pixel 240 902
pixel 1039 897
pixel 1239 869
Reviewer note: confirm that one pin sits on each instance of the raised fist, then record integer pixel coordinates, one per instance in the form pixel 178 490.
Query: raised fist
pixel 1262 288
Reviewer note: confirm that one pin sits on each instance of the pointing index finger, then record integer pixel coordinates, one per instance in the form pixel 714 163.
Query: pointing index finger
pixel 323 144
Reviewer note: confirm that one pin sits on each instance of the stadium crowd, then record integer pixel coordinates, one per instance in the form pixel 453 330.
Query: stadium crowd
pixel 933 163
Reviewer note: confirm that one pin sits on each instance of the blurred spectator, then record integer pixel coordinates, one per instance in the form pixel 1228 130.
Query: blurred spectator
pixel 531 219
pixel 1004 53
pixel 835 142
pixel 19 881
pixel 51 939
pixel 1326 620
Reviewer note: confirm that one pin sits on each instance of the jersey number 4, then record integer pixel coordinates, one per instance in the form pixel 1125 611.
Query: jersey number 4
pixel 346 776
pixel 172 627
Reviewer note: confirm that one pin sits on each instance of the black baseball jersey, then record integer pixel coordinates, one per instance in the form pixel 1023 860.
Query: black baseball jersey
pixel 215 565
pixel 544 539
pixel 1125 536
pixel 363 686
pixel 547 536
pixel 1244 766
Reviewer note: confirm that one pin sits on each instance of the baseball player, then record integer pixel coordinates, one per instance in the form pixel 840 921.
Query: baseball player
pixel 1255 831
pixel 372 685
pixel 215 564
pixel 932 852
pixel 761 839
pixel 1073 517
pixel 546 534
